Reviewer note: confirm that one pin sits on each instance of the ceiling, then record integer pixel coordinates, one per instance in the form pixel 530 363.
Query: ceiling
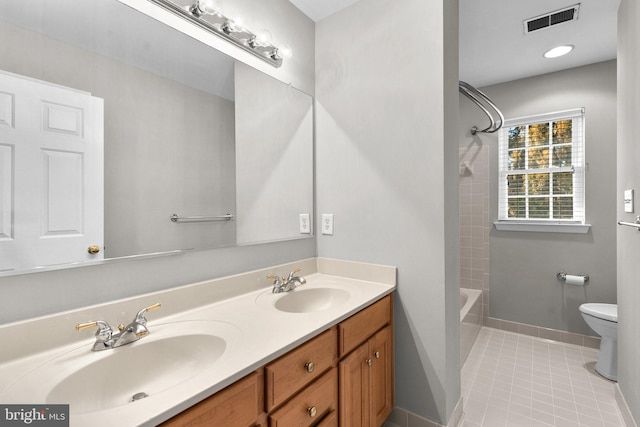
pixel 494 48
pixel 318 9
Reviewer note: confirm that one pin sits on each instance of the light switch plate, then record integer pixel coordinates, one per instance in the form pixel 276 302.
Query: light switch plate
pixel 628 201
pixel 305 224
pixel 327 224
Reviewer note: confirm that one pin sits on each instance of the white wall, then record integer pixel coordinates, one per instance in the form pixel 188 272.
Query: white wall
pixel 386 168
pixel 628 178
pixel 523 286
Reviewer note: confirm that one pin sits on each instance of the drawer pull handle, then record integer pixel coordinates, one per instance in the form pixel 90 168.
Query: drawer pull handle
pixel 377 354
pixel 312 411
pixel 309 367
pixel 369 362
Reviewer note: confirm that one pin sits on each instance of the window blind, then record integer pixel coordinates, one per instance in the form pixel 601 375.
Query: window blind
pixel 542 168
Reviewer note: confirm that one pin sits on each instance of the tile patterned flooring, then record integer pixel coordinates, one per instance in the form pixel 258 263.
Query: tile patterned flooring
pixel 513 380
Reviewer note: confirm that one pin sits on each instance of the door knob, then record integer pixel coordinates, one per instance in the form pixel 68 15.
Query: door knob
pixel 93 249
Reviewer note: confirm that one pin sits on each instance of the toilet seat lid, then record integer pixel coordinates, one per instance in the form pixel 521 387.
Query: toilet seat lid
pixel 602 311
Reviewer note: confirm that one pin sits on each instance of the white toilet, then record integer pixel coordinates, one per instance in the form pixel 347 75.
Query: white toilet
pixel 603 319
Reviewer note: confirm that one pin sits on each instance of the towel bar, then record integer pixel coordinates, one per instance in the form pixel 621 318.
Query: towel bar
pixel 177 218
pixel 631 224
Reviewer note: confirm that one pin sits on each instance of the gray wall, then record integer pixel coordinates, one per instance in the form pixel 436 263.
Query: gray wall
pixel 523 265
pixel 274 157
pixel 628 177
pixel 36 294
pixel 386 168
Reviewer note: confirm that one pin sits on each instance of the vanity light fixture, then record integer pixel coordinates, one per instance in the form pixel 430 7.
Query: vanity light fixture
pixel 206 14
pixel 205 7
pixel 261 38
pixel 558 51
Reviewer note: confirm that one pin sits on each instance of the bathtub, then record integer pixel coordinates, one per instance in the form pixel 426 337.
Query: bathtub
pixel 470 320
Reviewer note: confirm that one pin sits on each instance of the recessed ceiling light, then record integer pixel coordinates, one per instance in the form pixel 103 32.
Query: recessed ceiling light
pixel 558 51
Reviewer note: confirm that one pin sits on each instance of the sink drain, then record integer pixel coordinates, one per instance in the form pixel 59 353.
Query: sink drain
pixel 139 396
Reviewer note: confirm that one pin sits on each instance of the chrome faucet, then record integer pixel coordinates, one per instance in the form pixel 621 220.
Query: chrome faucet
pixel 287 284
pixel 106 338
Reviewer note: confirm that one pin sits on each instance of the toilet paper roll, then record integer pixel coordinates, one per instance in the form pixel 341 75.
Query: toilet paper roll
pixel 574 280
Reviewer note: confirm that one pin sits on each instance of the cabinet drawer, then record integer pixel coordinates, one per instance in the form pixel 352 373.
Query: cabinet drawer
pixel 310 405
pixel 359 327
pixel 235 406
pixel 330 420
pixel 293 371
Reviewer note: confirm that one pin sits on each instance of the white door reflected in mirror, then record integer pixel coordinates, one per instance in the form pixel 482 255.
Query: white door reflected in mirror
pixel 51 174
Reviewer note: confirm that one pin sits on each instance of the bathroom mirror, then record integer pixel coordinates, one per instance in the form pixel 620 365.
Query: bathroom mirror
pixel 183 128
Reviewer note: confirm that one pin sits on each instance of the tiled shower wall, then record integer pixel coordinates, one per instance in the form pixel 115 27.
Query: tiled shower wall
pixel 474 220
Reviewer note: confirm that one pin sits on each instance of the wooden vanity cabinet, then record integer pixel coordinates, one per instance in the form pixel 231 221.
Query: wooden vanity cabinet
pixel 366 374
pixel 239 405
pixel 342 377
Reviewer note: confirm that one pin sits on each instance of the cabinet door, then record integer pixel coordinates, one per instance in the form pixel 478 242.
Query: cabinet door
pixel 354 388
pixel 366 382
pixel 381 386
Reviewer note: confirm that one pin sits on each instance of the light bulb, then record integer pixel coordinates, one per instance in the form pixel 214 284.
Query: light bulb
pixel 210 7
pixel 237 22
pixel 205 7
pixel 263 38
pixel 284 52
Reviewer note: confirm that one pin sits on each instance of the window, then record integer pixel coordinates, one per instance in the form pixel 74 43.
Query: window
pixel 541 160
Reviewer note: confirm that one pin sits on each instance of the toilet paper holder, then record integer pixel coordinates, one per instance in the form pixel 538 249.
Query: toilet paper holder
pixel 563 276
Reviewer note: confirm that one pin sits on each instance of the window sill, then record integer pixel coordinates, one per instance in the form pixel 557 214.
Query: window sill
pixel 542 227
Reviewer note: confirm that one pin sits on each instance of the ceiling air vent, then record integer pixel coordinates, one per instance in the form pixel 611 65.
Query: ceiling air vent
pixel 550 19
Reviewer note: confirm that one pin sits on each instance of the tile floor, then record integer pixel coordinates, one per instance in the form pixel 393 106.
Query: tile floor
pixel 513 380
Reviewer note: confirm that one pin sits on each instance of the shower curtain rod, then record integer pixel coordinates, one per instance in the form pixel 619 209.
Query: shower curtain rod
pixel 484 103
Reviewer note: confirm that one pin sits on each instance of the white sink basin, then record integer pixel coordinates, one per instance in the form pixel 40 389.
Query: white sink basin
pixel 305 299
pixel 95 381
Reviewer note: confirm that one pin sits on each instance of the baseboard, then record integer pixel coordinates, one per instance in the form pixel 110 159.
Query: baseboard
pixel 402 418
pixel 624 408
pixel 540 332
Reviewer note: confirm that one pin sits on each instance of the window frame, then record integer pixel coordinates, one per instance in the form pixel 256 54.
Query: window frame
pixel 578 167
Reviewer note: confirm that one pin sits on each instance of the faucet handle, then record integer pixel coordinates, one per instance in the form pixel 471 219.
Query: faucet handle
pixel 99 323
pixel 297 270
pixel 140 318
pixel 104 331
pixel 276 279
